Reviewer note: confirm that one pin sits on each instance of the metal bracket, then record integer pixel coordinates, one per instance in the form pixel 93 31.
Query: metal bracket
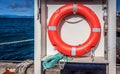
pixel 74 8
pixel 105 18
pixel 92 54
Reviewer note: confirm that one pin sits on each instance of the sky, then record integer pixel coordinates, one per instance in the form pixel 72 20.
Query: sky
pixel 23 7
pixel 17 7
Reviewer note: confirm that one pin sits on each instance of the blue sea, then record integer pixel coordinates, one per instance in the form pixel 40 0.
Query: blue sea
pixel 16 38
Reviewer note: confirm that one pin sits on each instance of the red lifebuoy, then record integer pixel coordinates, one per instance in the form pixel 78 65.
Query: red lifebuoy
pixel 65 11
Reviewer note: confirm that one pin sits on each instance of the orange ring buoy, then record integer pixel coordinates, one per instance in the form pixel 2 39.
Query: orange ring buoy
pixel 65 48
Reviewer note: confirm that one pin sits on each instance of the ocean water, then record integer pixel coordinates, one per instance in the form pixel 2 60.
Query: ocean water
pixel 13 35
